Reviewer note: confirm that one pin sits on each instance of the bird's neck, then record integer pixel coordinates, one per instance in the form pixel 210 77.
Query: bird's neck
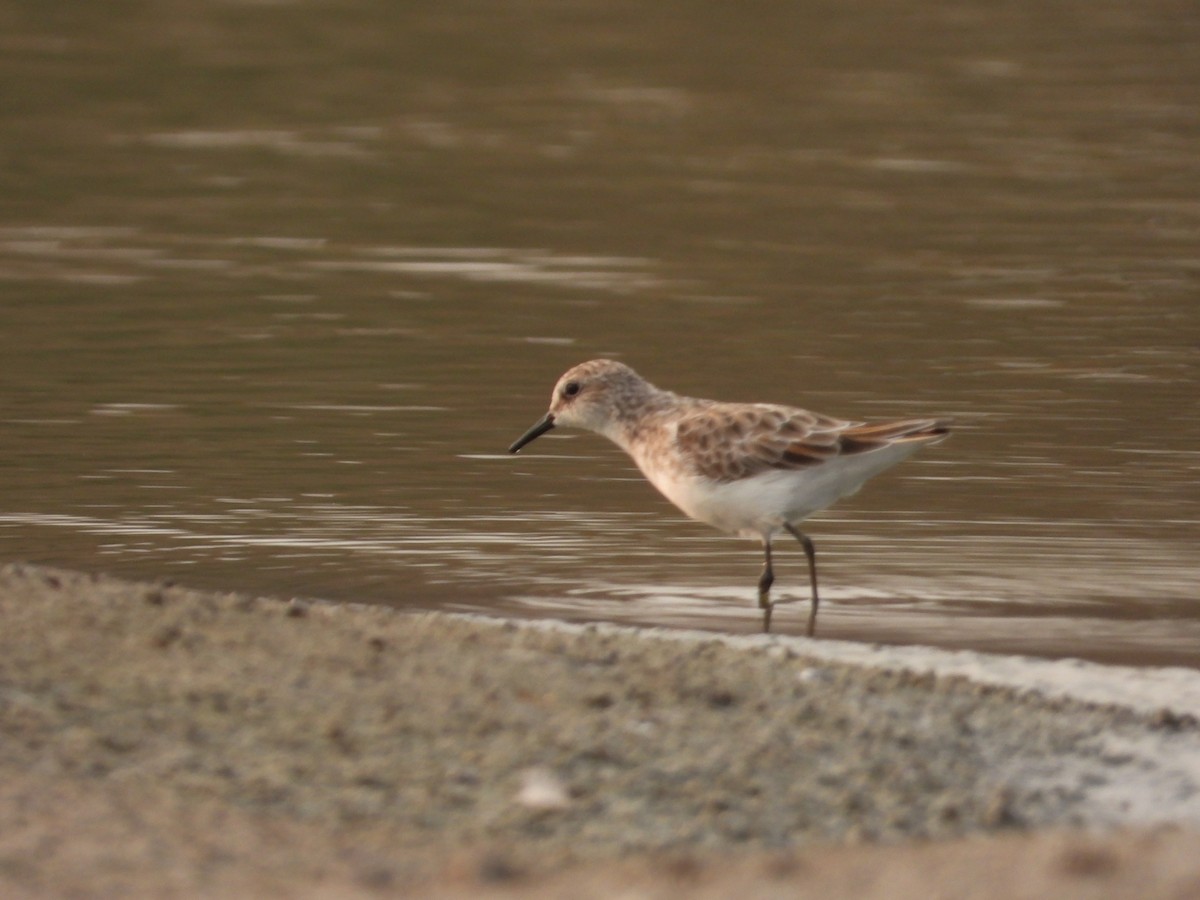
pixel 632 431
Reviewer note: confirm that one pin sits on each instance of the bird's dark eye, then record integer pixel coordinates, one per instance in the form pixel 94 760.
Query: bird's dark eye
pixel 571 388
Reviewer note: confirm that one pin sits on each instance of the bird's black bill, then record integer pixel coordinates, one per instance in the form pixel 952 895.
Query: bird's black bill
pixel 544 424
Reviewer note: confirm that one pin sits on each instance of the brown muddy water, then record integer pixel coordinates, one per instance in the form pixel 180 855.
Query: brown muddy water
pixel 280 281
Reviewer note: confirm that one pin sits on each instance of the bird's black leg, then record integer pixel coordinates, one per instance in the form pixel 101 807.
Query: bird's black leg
pixel 811 553
pixel 764 587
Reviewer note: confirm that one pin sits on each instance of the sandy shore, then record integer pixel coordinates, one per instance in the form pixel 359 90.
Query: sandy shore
pixel 159 741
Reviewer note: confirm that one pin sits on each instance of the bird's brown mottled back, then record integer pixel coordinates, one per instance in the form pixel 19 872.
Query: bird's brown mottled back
pixel 726 442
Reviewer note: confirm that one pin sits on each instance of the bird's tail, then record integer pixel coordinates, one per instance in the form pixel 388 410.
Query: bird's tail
pixel 875 435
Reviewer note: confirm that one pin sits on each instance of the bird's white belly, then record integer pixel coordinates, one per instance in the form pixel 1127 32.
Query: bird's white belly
pixel 760 505
pixel 751 507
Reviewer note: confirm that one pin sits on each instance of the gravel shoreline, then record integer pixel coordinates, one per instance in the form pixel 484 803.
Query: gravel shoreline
pixel 160 741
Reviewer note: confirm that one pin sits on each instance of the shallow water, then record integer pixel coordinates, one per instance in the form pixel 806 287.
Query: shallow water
pixel 280 282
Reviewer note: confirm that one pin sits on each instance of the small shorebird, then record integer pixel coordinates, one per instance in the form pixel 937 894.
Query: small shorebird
pixel 751 469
